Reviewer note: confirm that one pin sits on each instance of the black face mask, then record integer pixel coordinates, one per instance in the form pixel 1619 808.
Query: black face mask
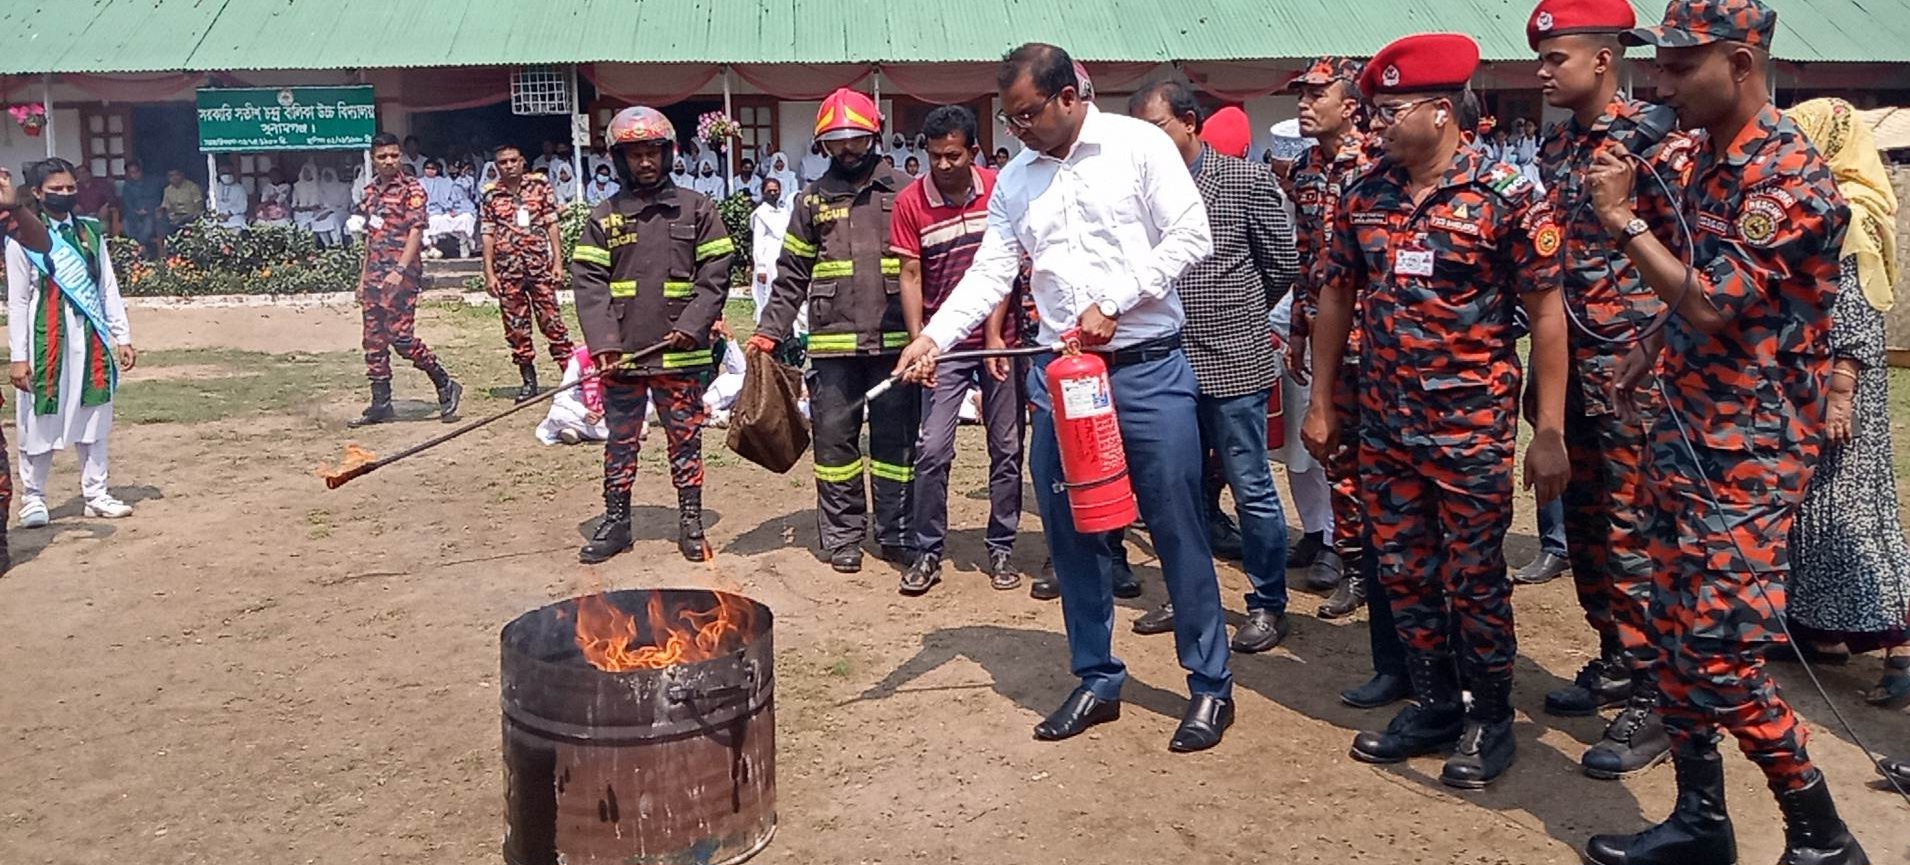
pixel 60 202
pixel 772 198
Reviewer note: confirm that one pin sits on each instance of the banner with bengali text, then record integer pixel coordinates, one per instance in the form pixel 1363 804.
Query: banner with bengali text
pixel 286 118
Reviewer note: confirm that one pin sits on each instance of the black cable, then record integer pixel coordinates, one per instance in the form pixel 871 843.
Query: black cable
pixel 1657 324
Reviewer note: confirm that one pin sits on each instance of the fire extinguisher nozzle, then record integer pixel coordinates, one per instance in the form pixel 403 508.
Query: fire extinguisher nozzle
pixel 880 389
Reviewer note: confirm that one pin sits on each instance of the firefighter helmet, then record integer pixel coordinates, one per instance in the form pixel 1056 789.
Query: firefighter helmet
pixel 847 114
pixel 640 123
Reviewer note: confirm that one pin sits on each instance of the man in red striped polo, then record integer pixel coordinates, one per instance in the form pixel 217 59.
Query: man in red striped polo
pixel 939 221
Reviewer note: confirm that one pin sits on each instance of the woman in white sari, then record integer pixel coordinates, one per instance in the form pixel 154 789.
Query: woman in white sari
pixel 70 339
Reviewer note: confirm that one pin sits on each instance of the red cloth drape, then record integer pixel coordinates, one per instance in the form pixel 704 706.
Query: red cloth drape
pixel 1243 80
pixel 802 82
pixel 649 84
pixel 453 88
pixel 940 83
pixel 136 88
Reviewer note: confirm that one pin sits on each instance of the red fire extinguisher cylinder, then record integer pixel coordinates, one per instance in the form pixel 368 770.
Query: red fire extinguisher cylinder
pixel 1093 462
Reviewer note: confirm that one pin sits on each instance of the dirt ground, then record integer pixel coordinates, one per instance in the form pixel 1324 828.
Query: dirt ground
pixel 255 670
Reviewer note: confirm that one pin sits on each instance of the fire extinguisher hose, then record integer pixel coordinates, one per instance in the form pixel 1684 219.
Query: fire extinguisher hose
pixel 972 354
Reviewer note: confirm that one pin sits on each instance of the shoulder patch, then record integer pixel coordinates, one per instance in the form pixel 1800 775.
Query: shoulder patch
pixel 1760 216
pixel 1507 180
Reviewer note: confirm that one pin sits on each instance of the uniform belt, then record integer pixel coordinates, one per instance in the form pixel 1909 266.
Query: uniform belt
pixel 1159 348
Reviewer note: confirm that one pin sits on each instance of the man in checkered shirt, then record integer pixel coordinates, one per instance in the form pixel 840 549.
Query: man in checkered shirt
pixel 1228 341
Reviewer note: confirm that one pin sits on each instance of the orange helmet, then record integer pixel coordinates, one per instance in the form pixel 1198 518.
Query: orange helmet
pixel 640 123
pixel 847 114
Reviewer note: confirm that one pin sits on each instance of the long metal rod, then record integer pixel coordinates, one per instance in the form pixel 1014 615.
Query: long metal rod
pixel 340 479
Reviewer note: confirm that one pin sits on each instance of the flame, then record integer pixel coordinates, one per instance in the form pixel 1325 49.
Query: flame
pixel 354 457
pixel 605 634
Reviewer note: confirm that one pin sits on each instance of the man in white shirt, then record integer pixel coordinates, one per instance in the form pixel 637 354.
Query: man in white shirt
pixel 1109 216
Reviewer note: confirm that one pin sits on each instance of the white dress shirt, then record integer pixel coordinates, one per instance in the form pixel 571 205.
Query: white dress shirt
pixel 1119 218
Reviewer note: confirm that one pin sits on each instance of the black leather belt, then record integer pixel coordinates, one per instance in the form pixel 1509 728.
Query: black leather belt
pixel 1159 348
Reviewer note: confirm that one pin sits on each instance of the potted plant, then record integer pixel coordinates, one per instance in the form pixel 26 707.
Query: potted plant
pixel 31 117
pixel 715 129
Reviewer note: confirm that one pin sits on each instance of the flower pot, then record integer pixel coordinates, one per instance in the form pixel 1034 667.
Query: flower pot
pixel 33 131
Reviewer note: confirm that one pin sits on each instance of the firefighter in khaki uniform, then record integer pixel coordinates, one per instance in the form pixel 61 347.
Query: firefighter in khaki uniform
pixel 653 263
pixel 836 257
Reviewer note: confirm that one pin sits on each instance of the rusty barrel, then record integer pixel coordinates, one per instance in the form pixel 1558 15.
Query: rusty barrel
pixel 675 766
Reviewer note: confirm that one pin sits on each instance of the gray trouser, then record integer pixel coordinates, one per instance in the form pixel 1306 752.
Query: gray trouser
pixel 1002 416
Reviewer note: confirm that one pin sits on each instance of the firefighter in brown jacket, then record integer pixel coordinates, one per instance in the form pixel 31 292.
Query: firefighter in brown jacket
pixel 836 257
pixel 653 264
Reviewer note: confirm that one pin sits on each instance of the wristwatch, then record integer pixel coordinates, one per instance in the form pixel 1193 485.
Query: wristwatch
pixel 1108 308
pixel 1633 229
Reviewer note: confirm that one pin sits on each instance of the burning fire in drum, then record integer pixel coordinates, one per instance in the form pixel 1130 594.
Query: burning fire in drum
pixel 639 727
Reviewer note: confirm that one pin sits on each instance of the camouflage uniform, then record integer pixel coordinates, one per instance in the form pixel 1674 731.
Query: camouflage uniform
pixel 649 263
pixel 393 209
pixel 1768 224
pixel 836 256
pixel 518 225
pixel 1439 385
pixel 1317 184
pixel 1610 570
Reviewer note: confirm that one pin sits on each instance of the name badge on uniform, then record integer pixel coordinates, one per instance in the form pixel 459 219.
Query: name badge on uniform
pixel 377 221
pixel 523 216
pixel 1413 262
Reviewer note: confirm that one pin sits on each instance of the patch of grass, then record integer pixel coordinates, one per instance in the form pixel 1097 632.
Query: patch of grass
pixel 258 382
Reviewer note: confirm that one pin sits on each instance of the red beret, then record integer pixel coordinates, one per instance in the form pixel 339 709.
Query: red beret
pixel 1560 17
pixel 1421 62
pixel 1228 131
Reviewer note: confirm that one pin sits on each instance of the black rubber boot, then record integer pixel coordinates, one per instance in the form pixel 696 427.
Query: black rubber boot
pixel 529 390
pixel 1604 681
pixel 1698 832
pixel 449 393
pixel 1431 724
pixel 689 525
pixel 1635 741
pixel 613 534
pixel 1813 833
pixel 380 410
pixel 1486 749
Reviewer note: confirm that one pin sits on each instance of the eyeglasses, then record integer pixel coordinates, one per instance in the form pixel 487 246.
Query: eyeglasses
pixel 1026 119
pixel 1391 113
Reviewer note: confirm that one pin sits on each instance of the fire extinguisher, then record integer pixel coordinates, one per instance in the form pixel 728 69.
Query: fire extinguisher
pixel 1093 462
pixel 1276 406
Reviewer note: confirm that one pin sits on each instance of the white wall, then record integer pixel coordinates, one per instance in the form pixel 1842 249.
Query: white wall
pixel 17 148
pixel 1263 113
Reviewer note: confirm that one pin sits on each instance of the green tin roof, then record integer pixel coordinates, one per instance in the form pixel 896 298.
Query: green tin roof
pixel 215 35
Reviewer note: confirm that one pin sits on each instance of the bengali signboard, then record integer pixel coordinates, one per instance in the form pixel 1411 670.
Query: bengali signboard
pixel 286 118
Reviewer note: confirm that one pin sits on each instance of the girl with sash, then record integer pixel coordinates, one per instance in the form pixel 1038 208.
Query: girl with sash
pixel 70 339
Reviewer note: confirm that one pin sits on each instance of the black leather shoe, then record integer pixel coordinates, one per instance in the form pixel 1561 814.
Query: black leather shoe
pixel 1081 711
pixel 1813 833
pixel 1698 832
pixel 1634 742
pixel 1264 630
pixel 1383 689
pixel 1159 621
pixel 1126 585
pixel 1603 681
pixel 1544 569
pixel 1207 719
pixel 923 575
pixel 1484 752
pixel 1327 573
pixel 1896 769
pixel 1045 587
pixel 1347 598
pixel 1303 553
pixel 846 560
pixel 1414 732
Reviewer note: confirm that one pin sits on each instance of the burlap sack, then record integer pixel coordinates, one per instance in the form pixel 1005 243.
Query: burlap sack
pixel 766 424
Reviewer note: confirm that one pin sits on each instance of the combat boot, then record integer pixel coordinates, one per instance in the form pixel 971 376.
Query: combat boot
pixel 380 410
pixel 1431 724
pixel 1698 832
pixel 1604 681
pixel 1636 739
pixel 1486 749
pixel 689 524
pixel 613 534
pixel 1813 833
pixel 1348 597
pixel 529 390
pixel 449 393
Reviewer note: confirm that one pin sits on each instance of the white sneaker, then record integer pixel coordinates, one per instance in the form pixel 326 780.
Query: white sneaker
pixel 33 513
pixel 107 507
